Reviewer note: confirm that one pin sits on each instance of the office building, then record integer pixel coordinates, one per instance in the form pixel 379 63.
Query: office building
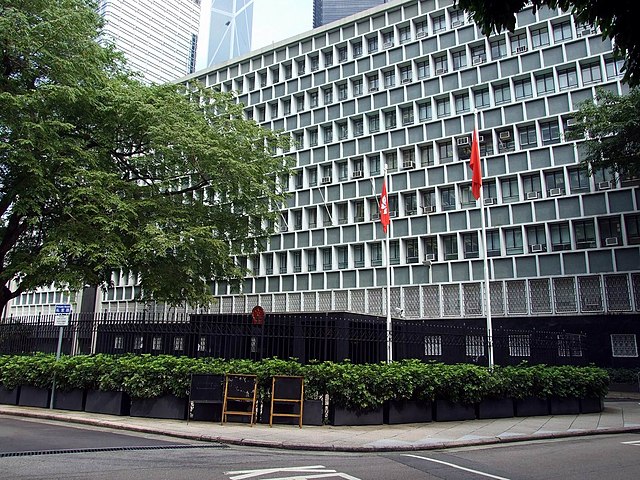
pixel 158 37
pixel 327 11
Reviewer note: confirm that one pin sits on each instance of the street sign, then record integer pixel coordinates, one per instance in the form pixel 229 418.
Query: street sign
pixel 62 315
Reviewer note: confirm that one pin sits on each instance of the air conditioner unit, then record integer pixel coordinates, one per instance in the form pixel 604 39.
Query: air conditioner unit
pixel 357 174
pixel 532 195
pixel 584 32
pixel 479 59
pixel 489 201
pixel 521 49
pixel 440 71
pixel 611 241
pixel 571 122
pixel 554 192
pixel 462 141
pixel 506 135
pixel 408 164
pixel 604 185
pixel 457 23
pixel 373 89
pixel 535 248
pixel 387 44
pixel 375 215
pixel 421 34
pixel 430 257
pixel 429 208
pixel 325 180
pixel 393 213
pixel 406 80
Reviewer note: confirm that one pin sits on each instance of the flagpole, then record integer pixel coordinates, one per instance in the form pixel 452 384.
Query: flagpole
pixel 483 240
pixel 388 234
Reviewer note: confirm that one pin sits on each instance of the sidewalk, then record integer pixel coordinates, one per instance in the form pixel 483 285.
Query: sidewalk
pixel 619 416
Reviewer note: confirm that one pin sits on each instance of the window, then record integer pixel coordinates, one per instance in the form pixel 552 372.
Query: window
pixel 523 88
pixel 432 345
pixel 261 116
pixel 624 345
pixel 585 233
pixel 274 110
pixel 578 180
pixel 430 245
pixel 610 231
pixel 501 93
pixel 328 134
pixel 394 252
pixel 288 71
pixel 328 59
pixel 544 83
pixel 536 239
pixel 481 98
pixel 313 99
pixel 441 64
pixel 327 260
pixel 424 111
pixel 301 67
pixel 498 48
pixel 391 159
pixel 457 18
pixel 358 211
pixel 374 123
pixel 513 241
pixel 410 205
pixel 357 87
pixel 300 103
pixel 448 198
pixel 539 37
pixel 493 243
pixel 554 181
pixel 343 131
pixel 489 189
pixel 372 44
pixel 426 156
pixel 518 43
pixel 263 79
pixel 478 54
pixel 443 107
pixel 462 103
pixel 268 261
pixel 298 179
pixel 423 69
pixel 405 74
pixel 328 95
pixel 562 31
pixel 466 196
pixel 312 176
pixel 358 127
pixel 591 73
pixel 389 79
pixel 411 246
pixel 470 244
pixel 421 29
pixel 404 34
pixel 528 136
pixel 632 227
pixel 407 115
pixel 439 23
pixel 118 343
pixel 445 151
pixel 450 245
pixel 531 184
pixel 474 345
pixel 550 132
pixel 286 107
pixel 343 211
pixel 613 67
pixel 374 165
pixel 282 260
pixel 390 120
pixel 357 49
pixel 358 256
pixel 313 137
pixel 342 54
pixel 315 63
pixel 520 345
pixel 299 139
pixel 387 39
pixel 373 83
pixel 375 251
pixel 311 260
pixel 509 189
pixel 297 219
pixel 459 59
pixel 178 344
pixel 560 239
pixel 342 91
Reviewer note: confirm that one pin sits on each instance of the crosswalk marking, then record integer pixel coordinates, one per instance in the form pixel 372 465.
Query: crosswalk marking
pixel 300 473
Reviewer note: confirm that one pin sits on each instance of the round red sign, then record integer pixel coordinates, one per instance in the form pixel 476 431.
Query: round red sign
pixel 257 315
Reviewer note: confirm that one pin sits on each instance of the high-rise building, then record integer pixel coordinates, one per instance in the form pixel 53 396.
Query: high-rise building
pixel 158 37
pixel 225 30
pixel 327 11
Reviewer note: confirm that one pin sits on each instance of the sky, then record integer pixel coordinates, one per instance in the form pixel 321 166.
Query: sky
pixel 275 20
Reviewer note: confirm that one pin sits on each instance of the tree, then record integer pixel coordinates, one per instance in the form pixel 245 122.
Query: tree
pixel 616 20
pixel 100 172
pixel 611 127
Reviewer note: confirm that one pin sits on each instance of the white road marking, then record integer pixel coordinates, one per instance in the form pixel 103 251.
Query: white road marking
pixel 634 442
pixel 302 473
pixel 453 465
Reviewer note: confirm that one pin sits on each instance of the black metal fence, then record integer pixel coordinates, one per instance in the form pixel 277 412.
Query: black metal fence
pixel 305 336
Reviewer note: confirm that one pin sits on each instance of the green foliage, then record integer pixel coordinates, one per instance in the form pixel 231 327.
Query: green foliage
pixel 616 375
pixel 35 370
pixel 102 172
pixel 616 20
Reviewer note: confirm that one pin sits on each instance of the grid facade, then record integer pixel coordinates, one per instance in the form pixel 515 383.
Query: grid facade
pixel 327 11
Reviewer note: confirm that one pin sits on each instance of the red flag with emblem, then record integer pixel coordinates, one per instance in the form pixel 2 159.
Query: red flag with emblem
pixel 384 207
pixel 476 166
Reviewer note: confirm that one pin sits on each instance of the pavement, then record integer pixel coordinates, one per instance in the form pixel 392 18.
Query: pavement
pixel 621 415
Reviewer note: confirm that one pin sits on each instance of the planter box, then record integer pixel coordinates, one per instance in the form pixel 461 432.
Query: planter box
pixel 71 400
pixel 496 408
pixel 312 413
pixel 9 397
pixel 564 406
pixel 446 411
pixel 339 416
pixel 591 405
pixel 34 396
pixel 167 406
pixel 109 403
pixel 407 411
pixel 206 412
pixel 531 407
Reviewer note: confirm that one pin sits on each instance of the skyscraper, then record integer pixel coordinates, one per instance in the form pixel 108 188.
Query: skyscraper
pixel 158 37
pixel 327 11
pixel 225 30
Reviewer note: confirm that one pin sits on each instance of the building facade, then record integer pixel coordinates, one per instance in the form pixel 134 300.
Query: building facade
pixel 327 11
pixel 397 86
pixel 158 37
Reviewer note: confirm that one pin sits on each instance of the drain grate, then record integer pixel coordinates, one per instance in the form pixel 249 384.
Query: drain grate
pixel 107 449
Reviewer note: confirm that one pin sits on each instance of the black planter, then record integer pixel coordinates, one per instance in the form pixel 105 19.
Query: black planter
pixel 446 411
pixel 407 411
pixel 339 416
pixel 564 406
pixel 34 396
pixel 167 406
pixel 109 403
pixel 531 407
pixel 9 397
pixel 206 412
pixel 591 405
pixel 312 414
pixel 496 408
pixel 71 400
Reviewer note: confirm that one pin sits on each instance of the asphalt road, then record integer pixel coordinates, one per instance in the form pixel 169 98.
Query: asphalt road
pixel 121 455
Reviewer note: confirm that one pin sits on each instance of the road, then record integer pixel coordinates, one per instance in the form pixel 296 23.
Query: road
pixel 32 449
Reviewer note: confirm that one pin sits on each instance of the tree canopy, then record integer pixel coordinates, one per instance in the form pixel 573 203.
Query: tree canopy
pixel 100 172
pixel 615 19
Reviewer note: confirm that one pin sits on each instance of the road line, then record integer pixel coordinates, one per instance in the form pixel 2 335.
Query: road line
pixel 453 465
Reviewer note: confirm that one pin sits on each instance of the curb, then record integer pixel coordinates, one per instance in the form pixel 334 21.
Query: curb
pixel 283 445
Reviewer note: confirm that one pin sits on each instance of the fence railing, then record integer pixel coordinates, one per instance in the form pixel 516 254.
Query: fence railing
pixel 330 336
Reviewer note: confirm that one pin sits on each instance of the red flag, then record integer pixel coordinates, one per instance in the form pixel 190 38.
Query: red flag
pixel 384 207
pixel 476 166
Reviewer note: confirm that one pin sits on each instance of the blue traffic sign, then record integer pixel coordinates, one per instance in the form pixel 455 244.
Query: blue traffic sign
pixel 63 308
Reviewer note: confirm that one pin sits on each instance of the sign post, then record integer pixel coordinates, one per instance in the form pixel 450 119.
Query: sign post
pixel 61 319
